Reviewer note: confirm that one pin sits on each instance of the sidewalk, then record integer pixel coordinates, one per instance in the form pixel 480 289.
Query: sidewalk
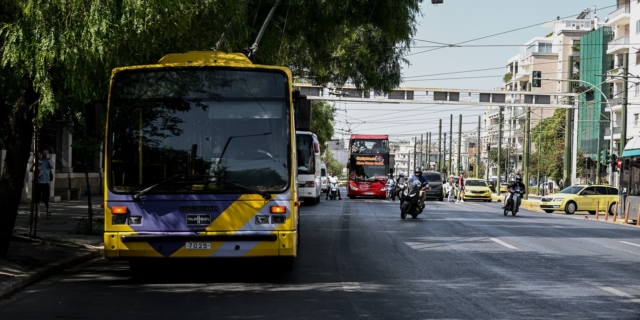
pixel 58 244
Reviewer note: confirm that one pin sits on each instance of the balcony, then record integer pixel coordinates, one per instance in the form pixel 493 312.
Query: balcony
pixel 619 45
pixel 620 16
pixel 521 76
pixel 612 75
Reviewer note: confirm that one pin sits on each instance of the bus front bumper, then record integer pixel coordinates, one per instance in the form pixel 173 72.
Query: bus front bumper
pixel 126 245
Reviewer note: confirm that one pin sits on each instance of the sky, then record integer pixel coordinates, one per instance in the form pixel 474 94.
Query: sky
pixel 453 22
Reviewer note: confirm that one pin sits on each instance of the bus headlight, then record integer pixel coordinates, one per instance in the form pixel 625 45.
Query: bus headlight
pixel 353 187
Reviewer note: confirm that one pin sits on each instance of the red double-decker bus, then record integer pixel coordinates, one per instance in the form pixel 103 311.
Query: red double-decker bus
pixel 368 165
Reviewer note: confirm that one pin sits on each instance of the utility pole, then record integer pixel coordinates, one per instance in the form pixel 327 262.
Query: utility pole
pixel 625 94
pixel 459 142
pixel 444 155
pixel 526 150
pixel 421 138
pixel 499 149
pixel 415 142
pixel 427 163
pixel 477 166
pixel 451 143
pixel 439 166
pixel 566 166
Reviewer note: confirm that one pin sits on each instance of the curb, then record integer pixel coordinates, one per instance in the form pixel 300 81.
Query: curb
pixel 46 271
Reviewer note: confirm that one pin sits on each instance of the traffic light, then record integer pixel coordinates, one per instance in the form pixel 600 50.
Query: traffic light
pixel 444 170
pixel 488 147
pixel 603 156
pixel 460 167
pixel 613 161
pixel 470 167
pixel 536 82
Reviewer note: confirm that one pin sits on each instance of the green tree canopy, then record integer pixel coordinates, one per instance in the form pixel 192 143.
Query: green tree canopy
pixel 322 114
pixel 58 54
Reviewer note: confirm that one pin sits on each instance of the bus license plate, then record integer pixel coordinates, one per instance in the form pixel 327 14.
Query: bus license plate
pixel 368 193
pixel 198 246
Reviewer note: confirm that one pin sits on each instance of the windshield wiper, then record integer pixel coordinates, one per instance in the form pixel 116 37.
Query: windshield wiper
pixel 143 192
pixel 232 137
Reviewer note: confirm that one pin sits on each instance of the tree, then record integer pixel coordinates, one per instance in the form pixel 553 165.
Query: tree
pixel 57 53
pixel 322 114
pixel 332 164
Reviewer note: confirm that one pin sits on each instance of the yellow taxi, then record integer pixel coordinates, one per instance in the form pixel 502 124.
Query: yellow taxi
pixel 477 189
pixel 503 186
pixel 581 198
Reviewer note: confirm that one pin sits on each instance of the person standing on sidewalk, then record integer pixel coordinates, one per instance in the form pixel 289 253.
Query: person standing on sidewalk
pixel 43 176
pixel 461 188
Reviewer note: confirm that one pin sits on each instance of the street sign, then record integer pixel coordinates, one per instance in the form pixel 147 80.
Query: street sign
pixel 619 163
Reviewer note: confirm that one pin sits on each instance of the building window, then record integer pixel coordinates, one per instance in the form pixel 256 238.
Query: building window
pixel 637 89
pixel 638 26
pixel 635 120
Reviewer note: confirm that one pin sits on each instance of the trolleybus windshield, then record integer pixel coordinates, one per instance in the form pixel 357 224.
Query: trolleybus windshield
pixel 221 129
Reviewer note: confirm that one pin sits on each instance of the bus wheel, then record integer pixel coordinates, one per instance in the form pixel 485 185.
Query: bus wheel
pixel 352 197
pixel 285 264
pixel 138 267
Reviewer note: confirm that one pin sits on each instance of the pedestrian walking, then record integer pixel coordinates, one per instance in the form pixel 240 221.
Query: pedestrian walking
pixel 561 184
pixel 461 188
pixel 44 175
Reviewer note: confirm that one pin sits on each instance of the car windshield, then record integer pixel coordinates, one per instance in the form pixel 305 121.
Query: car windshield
pixel 476 183
pixel 572 190
pixel 305 153
pixel 230 125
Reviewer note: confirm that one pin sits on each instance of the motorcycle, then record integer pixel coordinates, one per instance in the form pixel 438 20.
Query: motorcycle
pixel 511 205
pixel 391 193
pixel 410 201
pixel 399 191
pixel 333 192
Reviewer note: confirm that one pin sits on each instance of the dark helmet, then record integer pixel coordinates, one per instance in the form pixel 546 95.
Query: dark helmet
pixel 518 177
pixel 402 175
pixel 418 171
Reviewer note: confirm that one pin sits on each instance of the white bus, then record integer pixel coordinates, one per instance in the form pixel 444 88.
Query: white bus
pixel 308 153
pixel 323 177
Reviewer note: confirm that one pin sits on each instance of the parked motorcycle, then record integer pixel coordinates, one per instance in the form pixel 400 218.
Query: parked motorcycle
pixel 333 191
pixel 410 201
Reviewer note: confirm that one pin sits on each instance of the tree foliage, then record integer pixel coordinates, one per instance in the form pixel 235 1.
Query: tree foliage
pixel 322 114
pixel 57 54
pixel 332 164
pixel 548 137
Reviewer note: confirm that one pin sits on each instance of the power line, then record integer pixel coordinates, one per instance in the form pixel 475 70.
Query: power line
pixel 497 34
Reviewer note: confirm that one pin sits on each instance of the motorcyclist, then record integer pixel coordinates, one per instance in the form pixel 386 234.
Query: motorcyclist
pixel 333 179
pixel 391 184
pixel 417 176
pixel 519 189
pixel 401 180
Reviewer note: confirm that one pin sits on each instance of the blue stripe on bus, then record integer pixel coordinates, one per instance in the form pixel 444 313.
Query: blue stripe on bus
pixel 631 153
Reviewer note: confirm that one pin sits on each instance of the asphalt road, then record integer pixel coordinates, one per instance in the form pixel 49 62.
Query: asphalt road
pixel 360 260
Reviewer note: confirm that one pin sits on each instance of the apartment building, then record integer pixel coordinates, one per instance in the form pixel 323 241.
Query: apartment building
pixel 624 22
pixel 554 56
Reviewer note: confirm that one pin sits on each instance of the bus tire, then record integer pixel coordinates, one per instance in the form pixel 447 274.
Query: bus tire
pixel 352 197
pixel 318 199
pixel 285 264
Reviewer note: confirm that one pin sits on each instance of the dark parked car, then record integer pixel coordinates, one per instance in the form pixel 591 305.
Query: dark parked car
pixel 435 190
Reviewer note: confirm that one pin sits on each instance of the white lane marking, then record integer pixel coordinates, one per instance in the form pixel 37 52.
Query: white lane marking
pixel 633 244
pixel 616 292
pixel 351 286
pixel 503 243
